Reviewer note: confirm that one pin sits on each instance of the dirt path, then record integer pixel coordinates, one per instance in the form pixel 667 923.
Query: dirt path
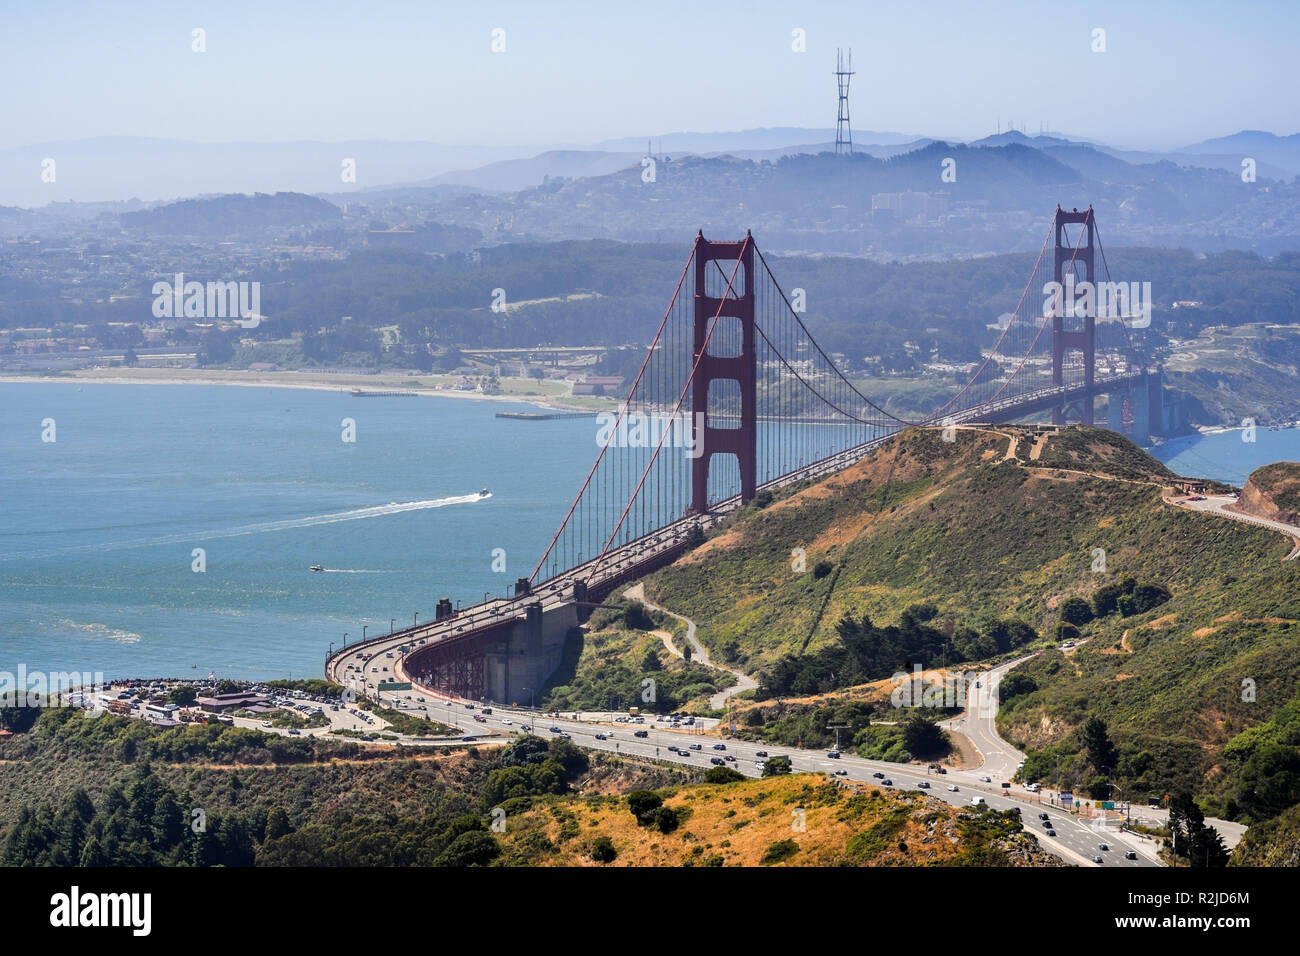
pixel 698 651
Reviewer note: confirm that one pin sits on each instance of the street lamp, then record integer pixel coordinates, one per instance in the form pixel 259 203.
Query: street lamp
pixel 345 640
pixel 414 618
pixel 363 632
pixel 392 623
pixel 485 596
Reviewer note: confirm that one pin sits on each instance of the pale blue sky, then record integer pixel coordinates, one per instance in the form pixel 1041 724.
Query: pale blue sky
pixel 579 72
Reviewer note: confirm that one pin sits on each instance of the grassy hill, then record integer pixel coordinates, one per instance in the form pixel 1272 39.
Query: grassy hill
pixel 991 529
pixel 798 820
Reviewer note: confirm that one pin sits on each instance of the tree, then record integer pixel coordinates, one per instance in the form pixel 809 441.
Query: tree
pixel 776 766
pixel 277 824
pixel 470 849
pixel 184 696
pixel 722 775
pixel 1076 611
pixel 602 850
pixel 1101 750
pixel 922 737
pixel 644 804
pixel 226 686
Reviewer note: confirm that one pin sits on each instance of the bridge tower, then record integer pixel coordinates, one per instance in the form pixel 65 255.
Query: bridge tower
pixel 1083 340
pixel 742 368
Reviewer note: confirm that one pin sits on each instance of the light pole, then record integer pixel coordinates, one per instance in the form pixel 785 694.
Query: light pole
pixel 363 632
pixel 415 618
pixel 392 622
pixel 485 597
pixel 345 640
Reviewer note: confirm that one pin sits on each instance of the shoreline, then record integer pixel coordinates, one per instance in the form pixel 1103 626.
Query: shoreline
pixel 317 382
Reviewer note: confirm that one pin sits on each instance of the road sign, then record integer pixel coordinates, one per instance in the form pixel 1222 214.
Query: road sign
pixel 1067 799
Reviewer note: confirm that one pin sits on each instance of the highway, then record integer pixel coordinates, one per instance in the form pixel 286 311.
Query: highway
pixel 1218 505
pixel 1076 841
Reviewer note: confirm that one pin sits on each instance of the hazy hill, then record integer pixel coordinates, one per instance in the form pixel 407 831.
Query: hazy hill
pixel 229 215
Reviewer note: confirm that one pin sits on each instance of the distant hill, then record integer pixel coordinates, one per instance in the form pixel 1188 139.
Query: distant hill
pixel 514 174
pixel 1263 147
pixel 230 215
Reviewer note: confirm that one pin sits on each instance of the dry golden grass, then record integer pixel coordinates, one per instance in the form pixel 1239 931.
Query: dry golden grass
pixel 737 824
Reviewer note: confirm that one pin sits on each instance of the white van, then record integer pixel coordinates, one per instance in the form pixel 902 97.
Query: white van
pixel 975 801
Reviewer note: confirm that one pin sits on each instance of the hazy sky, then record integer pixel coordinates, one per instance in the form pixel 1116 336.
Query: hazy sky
pixel 579 72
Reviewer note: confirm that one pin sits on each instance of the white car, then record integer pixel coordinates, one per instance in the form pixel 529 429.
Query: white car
pixel 506 722
pixel 953 788
pixel 985 780
pixel 976 801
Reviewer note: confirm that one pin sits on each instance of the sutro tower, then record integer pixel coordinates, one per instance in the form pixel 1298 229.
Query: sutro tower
pixel 843 131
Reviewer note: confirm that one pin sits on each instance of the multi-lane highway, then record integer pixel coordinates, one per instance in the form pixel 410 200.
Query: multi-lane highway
pixel 1076 840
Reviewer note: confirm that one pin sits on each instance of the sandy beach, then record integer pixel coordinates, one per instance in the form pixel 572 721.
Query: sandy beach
pixel 316 380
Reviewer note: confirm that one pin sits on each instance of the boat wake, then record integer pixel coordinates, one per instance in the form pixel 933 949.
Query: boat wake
pixel 268 527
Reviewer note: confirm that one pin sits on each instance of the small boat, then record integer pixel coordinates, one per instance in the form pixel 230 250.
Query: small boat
pixel 315 567
pixel 483 493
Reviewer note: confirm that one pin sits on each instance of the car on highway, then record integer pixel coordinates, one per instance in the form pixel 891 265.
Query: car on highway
pixel 640 733
pixel 1131 855
pixel 985 780
pixel 556 730
pixel 760 753
pixel 1105 847
pixel 1051 832
pixel 717 760
pixel 923 784
pixel 841 772
pixel 953 788
pixel 266 723
pixel 730 758
pixel 1097 858
pixel 833 754
pixel 878 775
pixel 526 728
pixel 293 732
pixel 976 801
pixel 506 722
pixel 1042 816
pixel 886 782
pixel 479 718
pixel 697 746
pixel 719 746
pixel 602 737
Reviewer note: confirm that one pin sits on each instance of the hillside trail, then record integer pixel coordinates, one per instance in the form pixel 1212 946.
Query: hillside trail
pixel 698 651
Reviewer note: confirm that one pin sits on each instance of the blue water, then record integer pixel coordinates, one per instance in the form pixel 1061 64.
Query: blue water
pixel 98 527
pixel 1225 456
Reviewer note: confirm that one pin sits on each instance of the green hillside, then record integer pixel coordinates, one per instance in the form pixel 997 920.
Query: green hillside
pixel 974 539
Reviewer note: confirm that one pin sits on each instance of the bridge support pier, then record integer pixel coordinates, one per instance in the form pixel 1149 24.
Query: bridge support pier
pixel 742 368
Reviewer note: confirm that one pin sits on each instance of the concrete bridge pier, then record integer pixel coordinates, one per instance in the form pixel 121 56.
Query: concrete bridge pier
pixel 516 668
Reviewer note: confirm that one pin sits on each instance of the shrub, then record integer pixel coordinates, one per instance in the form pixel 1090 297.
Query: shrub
pixel 602 850
pixel 781 850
